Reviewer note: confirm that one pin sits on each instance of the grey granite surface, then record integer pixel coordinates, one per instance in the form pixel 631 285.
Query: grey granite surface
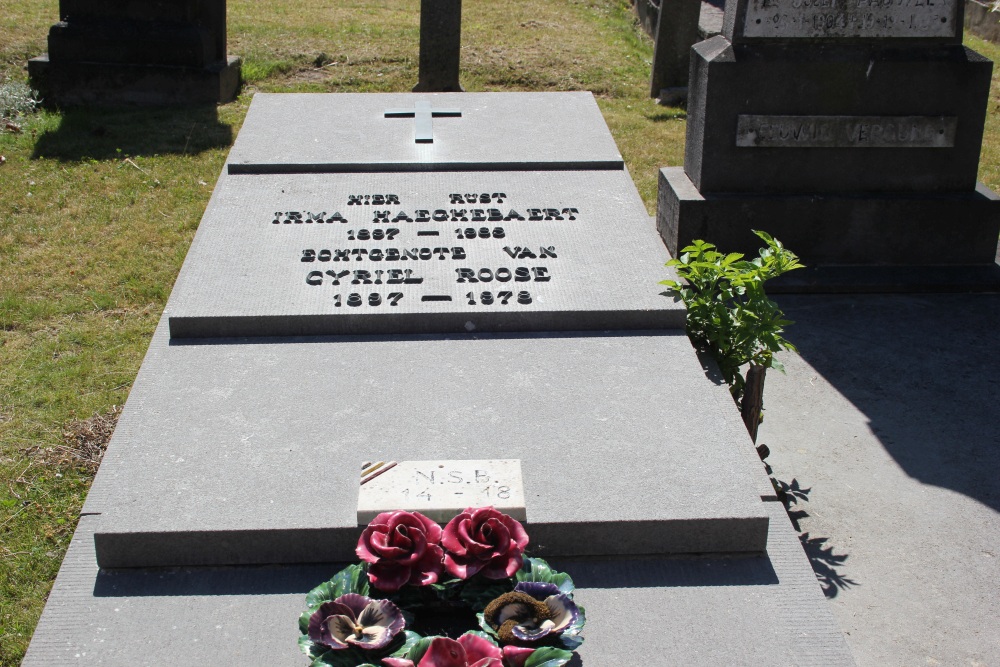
pixel 249 451
pixel 590 259
pixel 756 610
pixel 495 131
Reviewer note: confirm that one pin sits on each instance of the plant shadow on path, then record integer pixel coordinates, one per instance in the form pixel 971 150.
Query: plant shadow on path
pixel 101 134
pixel 821 555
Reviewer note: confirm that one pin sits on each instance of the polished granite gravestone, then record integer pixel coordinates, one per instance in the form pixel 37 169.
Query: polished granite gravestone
pixel 162 52
pixel 236 462
pixel 851 133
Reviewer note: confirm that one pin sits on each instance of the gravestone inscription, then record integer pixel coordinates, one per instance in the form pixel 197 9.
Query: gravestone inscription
pixel 873 19
pixel 532 249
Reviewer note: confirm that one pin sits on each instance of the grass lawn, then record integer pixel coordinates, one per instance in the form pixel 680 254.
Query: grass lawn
pixel 97 210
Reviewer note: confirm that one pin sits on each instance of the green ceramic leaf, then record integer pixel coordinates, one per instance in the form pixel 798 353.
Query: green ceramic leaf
pixel 352 579
pixel 536 569
pixel 304 622
pixel 311 648
pixel 319 595
pixel 485 626
pixel 411 640
pixel 419 648
pixel 340 658
pixel 548 656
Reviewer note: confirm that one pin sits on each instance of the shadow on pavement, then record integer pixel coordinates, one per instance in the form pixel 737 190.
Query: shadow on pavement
pixel 821 555
pixel 924 369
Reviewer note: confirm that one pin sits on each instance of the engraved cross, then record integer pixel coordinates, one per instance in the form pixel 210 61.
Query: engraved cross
pixel 424 114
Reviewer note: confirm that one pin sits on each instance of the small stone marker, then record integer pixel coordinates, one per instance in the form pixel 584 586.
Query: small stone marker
pixel 440 46
pixel 441 489
pixel 424 115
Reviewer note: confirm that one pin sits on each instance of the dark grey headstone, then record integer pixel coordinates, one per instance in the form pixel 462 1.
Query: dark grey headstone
pixel 851 133
pixel 440 46
pixel 147 53
pixel 734 83
pixel 676 32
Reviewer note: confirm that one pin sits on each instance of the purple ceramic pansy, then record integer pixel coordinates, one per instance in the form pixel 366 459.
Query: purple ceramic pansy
pixel 355 620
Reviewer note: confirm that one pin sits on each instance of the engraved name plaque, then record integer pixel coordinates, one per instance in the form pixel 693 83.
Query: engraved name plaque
pixel 852 19
pixel 333 254
pixel 441 489
pixel 754 131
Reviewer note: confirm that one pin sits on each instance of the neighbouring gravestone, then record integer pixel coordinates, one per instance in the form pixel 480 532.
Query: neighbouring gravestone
pixel 165 52
pixel 851 131
pixel 676 32
pixel 371 291
pixel 440 46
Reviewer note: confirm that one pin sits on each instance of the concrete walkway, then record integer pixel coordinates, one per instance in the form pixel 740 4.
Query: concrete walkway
pixel 887 431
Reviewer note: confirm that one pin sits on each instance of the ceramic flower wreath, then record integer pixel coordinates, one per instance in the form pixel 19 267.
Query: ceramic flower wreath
pixel 376 613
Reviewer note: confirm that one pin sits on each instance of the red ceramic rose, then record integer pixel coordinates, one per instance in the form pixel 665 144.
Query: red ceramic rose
pixel 483 540
pixel 468 651
pixel 401 548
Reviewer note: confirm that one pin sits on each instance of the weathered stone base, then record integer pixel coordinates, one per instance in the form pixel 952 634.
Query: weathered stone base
pixel 867 229
pixel 109 84
pixel 756 610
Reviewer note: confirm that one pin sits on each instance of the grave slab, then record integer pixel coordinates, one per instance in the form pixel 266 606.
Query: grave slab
pixel 238 450
pixel 758 610
pixel 497 131
pixel 293 419
pixel 280 254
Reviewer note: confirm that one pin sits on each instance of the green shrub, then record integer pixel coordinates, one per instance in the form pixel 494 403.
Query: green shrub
pixel 729 315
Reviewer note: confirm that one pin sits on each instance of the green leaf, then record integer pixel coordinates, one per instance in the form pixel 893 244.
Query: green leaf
pixel 548 656
pixel 304 622
pixel 411 640
pixel 487 628
pixel 311 648
pixel 352 579
pixel 418 649
pixel 339 658
pixel 536 569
